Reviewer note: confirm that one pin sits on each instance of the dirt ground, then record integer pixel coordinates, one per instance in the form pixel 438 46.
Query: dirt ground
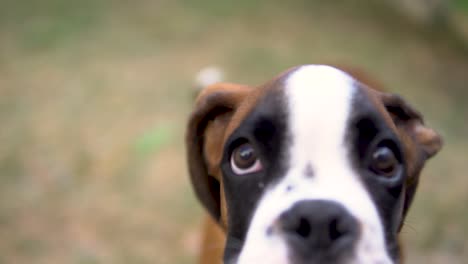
pixel 94 96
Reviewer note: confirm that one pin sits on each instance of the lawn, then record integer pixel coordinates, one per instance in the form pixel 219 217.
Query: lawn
pixel 94 96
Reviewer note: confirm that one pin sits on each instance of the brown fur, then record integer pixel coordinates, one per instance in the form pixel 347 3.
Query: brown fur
pixel 222 107
pixel 213 241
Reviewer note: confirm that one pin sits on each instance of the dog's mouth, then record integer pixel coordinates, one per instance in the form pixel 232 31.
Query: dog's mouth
pixel 319 258
pixel 315 231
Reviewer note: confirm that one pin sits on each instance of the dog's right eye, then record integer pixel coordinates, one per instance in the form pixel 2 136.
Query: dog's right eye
pixel 244 160
pixel 384 162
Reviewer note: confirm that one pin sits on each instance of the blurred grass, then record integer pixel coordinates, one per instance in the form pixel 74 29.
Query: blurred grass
pixel 94 97
pixel 40 25
pixel 461 4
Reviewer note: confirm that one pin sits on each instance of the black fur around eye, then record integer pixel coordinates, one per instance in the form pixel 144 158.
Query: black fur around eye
pixel 384 161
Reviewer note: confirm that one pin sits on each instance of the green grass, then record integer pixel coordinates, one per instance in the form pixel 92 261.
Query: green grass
pixel 47 25
pixel 94 96
pixel 461 5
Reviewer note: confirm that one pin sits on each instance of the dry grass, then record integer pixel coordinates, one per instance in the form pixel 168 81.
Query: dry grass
pixel 94 96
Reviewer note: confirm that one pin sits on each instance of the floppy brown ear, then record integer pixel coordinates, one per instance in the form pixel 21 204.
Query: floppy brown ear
pixel 214 108
pixel 411 121
pixel 420 142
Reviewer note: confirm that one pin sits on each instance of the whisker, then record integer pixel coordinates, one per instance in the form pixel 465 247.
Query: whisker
pixel 408 226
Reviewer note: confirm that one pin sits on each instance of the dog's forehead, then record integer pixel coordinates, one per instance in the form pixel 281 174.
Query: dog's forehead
pixel 319 98
pixel 319 103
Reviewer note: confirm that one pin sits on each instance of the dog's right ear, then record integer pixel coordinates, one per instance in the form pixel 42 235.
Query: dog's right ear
pixel 205 134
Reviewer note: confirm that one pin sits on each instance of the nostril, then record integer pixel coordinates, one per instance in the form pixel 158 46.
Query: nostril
pixel 304 228
pixel 312 226
pixel 334 230
pixel 318 231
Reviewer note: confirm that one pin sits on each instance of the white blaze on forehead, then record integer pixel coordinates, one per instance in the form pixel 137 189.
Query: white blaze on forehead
pixel 319 99
pixel 319 105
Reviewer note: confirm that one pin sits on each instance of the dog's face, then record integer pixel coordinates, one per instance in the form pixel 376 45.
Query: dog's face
pixel 312 167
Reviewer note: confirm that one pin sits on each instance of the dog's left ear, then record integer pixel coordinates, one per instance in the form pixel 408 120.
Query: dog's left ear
pixel 214 108
pixel 406 118
pixel 420 142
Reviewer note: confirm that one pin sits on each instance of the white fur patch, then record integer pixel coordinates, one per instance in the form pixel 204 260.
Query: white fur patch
pixel 319 99
pixel 208 76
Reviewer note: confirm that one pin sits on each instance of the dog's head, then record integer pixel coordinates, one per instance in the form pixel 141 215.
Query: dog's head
pixel 312 167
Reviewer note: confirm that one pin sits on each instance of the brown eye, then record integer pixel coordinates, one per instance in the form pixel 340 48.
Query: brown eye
pixel 244 159
pixel 384 161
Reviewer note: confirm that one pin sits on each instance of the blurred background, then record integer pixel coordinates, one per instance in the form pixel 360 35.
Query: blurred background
pixel 94 96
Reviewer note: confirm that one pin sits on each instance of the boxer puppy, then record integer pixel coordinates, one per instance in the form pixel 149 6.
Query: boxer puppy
pixel 314 166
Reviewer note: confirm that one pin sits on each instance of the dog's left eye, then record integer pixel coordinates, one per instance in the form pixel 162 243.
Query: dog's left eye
pixel 244 160
pixel 384 161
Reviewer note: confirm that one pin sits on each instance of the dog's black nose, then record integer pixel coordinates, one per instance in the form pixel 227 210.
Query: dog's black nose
pixel 319 229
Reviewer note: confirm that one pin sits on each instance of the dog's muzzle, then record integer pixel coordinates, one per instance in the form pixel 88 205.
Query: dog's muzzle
pixel 318 231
